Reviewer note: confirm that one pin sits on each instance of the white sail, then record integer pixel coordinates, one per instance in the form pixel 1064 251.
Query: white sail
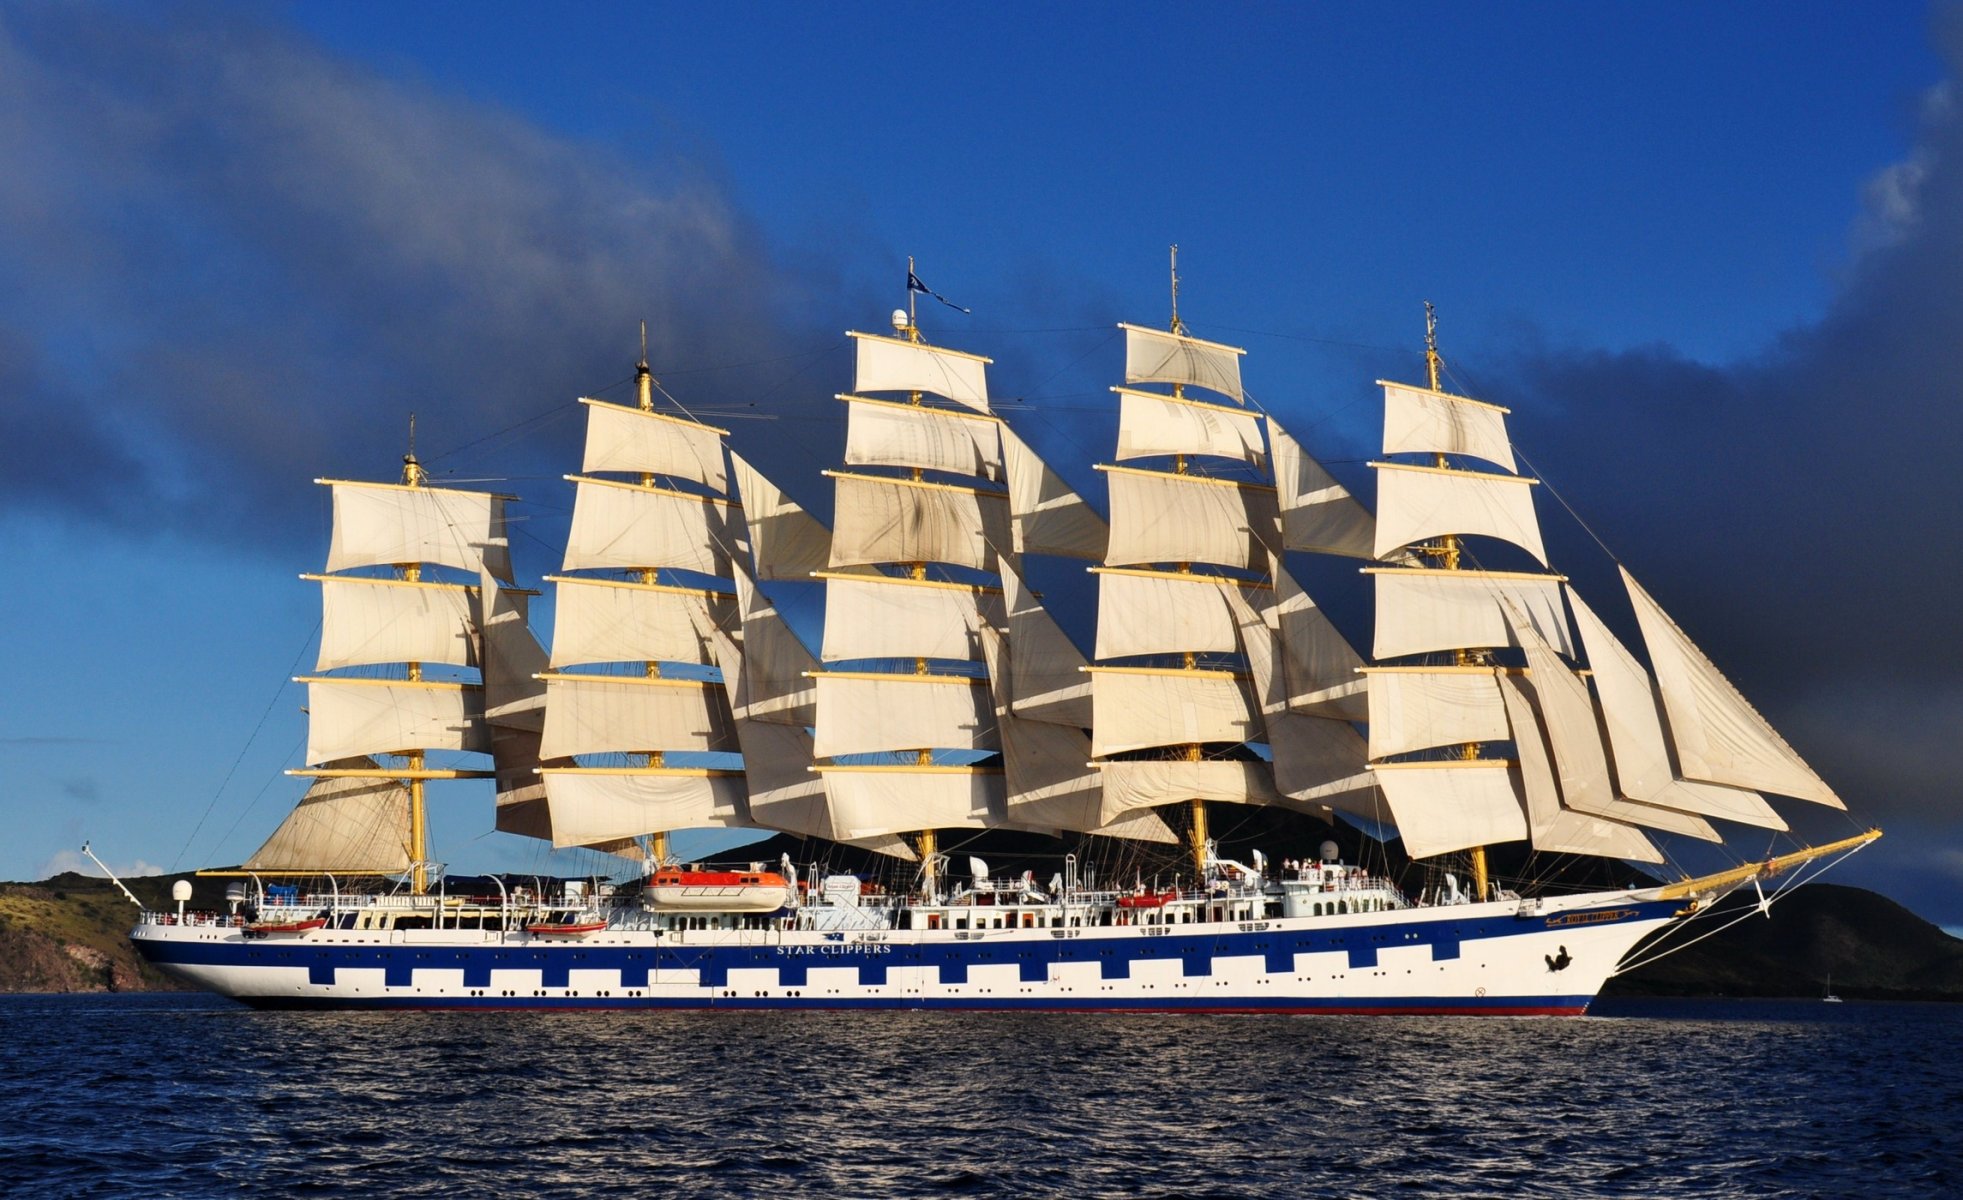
pixel 1418 708
pixel 1556 830
pixel 1426 422
pixel 614 620
pixel 1158 356
pixel 1161 612
pixel 1049 780
pixel 1317 513
pixel 1317 761
pixel 342 826
pixel 1048 517
pixel 651 443
pixel 785 541
pixel 1319 666
pixel 626 525
pixel 775 684
pixel 382 524
pixel 1046 681
pixel 1576 736
pixel 863 713
pixel 1632 714
pixel 1719 736
pixel 365 622
pixel 1132 784
pixel 599 714
pixel 521 804
pixel 886 520
pixel 889 616
pixel 1150 424
pixel 1161 517
pixel 1420 611
pixel 601 808
pixel 514 696
pixel 350 717
pixel 869 802
pixel 882 433
pixel 1139 708
pixel 1455 805
pixel 1415 503
pixel 894 365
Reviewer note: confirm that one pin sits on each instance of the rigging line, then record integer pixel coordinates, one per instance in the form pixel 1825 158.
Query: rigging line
pixel 1320 341
pixel 557 410
pixel 1569 508
pixel 277 693
pixel 252 805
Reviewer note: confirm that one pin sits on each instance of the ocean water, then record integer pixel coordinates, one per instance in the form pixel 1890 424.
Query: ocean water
pixel 167 1096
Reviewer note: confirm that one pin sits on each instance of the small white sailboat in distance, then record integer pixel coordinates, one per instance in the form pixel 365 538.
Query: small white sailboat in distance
pixel 1830 998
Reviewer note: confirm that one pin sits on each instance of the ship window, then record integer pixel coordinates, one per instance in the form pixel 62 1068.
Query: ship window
pixel 960 922
pixel 933 920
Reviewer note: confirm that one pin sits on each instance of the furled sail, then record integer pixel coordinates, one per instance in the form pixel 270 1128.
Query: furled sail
pixel 1718 735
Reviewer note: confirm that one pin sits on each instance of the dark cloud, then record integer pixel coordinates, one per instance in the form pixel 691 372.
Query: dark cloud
pixel 1797 512
pixel 84 789
pixel 278 256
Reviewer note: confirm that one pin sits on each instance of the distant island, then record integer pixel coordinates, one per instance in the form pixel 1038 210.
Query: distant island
pixel 69 934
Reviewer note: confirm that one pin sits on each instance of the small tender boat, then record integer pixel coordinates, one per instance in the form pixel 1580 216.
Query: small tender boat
pixel 272 927
pixel 566 928
pixel 1148 899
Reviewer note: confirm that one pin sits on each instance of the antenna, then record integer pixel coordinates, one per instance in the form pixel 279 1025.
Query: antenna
pixel 643 378
pixel 1178 326
pixel 1431 344
pixel 913 324
pixel 412 471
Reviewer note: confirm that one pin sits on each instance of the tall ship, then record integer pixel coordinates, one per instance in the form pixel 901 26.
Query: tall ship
pixel 1496 739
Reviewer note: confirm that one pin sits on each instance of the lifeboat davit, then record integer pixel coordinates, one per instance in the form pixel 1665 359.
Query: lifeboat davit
pixel 718 891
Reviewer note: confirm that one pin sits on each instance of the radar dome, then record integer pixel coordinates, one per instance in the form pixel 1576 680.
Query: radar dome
pixel 181 890
pixel 1330 853
pixel 900 321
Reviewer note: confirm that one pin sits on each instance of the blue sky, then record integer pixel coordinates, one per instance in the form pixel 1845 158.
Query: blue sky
pixel 1708 254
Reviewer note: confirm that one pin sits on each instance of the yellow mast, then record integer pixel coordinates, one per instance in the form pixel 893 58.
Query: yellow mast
pixel 413 476
pixel 928 845
pixel 644 396
pixel 1196 834
pixel 1447 552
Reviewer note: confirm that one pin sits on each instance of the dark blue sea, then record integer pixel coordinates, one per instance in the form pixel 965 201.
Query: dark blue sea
pixel 155 1096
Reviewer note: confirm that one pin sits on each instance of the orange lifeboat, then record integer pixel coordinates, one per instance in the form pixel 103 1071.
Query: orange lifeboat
pixel 718 891
pixel 1148 899
pixel 268 927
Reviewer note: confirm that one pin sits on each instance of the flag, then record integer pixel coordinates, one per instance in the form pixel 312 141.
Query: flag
pixel 914 285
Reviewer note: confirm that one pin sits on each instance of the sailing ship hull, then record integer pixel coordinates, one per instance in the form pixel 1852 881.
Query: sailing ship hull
pixel 1504 958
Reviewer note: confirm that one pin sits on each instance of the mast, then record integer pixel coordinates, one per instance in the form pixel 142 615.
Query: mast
pixel 401 624
pixel 1160 587
pixel 1447 554
pixel 611 692
pixel 909 581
